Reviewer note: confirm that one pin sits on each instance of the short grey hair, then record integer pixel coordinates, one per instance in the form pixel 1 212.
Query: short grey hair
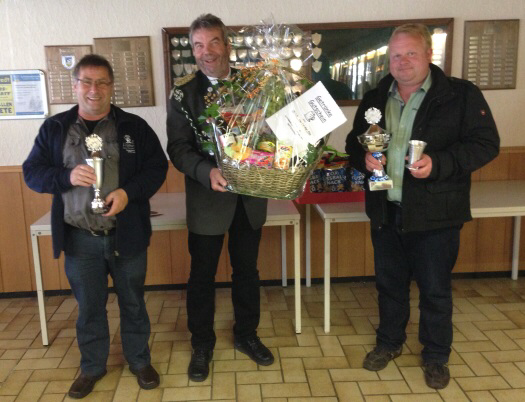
pixel 208 21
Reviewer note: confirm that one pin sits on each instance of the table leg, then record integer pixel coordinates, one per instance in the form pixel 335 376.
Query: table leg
pixel 327 276
pixel 39 289
pixel 283 256
pixel 297 274
pixel 516 247
pixel 307 247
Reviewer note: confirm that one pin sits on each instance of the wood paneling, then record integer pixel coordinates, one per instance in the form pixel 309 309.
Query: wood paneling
pixel 486 244
pixel 159 260
pixel 14 251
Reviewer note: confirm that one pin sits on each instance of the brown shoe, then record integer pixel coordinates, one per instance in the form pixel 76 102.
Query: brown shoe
pixel 437 375
pixel 83 385
pixel 379 357
pixel 147 377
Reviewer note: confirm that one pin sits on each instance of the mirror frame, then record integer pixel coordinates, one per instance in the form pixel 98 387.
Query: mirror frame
pixel 167 33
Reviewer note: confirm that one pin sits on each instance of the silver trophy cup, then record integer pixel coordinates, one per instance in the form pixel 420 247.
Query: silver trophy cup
pixel 94 145
pixel 98 205
pixel 377 143
pixel 415 151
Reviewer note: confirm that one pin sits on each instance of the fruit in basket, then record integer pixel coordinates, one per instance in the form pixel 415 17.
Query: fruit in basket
pixel 240 152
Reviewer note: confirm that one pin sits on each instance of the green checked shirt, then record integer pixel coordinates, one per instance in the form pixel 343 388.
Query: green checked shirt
pixel 399 122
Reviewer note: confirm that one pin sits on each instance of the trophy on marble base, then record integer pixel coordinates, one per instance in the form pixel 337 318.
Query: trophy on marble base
pixel 94 145
pixel 376 140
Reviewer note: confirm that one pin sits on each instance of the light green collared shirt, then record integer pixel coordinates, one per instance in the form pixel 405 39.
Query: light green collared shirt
pixel 399 122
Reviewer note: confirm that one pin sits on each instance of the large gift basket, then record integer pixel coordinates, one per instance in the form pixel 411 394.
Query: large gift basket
pixel 253 158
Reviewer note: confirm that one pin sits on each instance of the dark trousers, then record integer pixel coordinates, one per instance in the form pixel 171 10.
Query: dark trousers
pixel 89 260
pixel 205 250
pixel 429 258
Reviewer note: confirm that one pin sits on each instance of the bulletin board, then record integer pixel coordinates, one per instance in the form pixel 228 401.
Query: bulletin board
pixel 23 94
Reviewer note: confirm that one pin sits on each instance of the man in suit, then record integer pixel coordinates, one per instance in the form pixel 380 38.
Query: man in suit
pixel 212 210
pixel 97 244
pixel 415 226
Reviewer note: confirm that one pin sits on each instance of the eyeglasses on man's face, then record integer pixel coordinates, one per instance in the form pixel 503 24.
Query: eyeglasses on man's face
pixel 103 84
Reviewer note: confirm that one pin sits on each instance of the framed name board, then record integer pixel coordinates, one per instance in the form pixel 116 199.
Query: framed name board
pixel 61 61
pixel 130 58
pixel 490 54
pixel 23 94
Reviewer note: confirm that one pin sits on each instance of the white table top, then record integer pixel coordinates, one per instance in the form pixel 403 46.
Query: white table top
pixel 487 199
pixel 172 210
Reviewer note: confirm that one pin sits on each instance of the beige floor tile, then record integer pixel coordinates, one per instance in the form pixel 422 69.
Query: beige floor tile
pixel 390 372
pixel 51 398
pixel 460 370
pixel 505 356
pixel 325 362
pixel 453 392
pixel 54 375
pixel 31 391
pixel 417 398
pixel 482 383
pixel 383 387
pixel 309 351
pixel 187 394
pixel 285 390
pixel 516 333
pixel 330 346
pixel 233 365
pixel 359 374
pixel 151 395
pixel 15 382
pixel 488 356
pixel 259 377
pixel 470 331
pixel 415 379
pixel 501 340
pixel 481 396
pixel 478 364
pixel 293 370
pixel 249 393
pixel 320 383
pixel 511 373
pixel 377 398
pixel 348 392
pixel 223 386
pixel 514 395
pixel 474 346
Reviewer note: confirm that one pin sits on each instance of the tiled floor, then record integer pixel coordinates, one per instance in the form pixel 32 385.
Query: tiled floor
pixel 487 362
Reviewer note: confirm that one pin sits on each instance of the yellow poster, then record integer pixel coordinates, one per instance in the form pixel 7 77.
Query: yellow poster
pixel 7 107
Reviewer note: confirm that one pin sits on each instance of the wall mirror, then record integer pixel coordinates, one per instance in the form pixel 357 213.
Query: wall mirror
pixel 348 57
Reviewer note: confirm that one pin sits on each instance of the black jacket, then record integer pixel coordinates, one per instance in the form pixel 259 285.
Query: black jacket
pixel 456 123
pixel 142 170
pixel 208 212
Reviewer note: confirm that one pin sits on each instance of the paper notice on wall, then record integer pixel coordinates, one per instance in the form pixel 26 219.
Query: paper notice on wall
pixel 311 116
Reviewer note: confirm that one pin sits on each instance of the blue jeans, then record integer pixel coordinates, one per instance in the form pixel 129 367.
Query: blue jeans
pixel 89 260
pixel 429 258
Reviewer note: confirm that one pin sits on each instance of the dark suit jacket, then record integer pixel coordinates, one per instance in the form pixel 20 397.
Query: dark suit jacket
pixel 208 212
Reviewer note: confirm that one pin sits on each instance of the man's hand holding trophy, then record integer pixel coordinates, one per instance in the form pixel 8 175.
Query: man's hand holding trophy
pixel 94 145
pixel 376 140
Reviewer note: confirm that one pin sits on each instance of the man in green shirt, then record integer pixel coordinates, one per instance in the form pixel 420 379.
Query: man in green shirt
pixel 415 226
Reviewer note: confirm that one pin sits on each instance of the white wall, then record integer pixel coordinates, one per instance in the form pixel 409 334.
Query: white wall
pixel 26 26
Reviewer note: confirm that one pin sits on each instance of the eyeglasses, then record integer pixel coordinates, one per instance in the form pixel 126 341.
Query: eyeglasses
pixel 103 84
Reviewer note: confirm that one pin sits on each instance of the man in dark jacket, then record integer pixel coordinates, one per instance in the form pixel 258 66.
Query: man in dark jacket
pixel 415 226
pixel 96 244
pixel 212 211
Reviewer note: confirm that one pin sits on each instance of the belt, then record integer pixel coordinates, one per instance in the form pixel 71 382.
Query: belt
pixel 106 232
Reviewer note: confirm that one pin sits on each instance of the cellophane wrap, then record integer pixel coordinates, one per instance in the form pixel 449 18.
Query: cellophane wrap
pixel 250 156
